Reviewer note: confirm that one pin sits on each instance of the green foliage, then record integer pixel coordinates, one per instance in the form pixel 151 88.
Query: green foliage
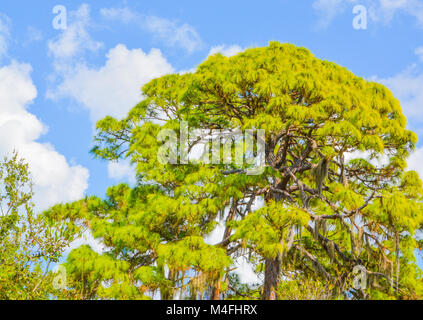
pixel 143 230
pixel 265 228
pixel 28 243
pixel 322 216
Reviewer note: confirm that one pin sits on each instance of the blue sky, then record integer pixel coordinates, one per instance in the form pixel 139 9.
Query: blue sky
pixel 54 84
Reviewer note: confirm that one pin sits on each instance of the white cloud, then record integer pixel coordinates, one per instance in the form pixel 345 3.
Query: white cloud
pixel 75 39
pixel 184 35
pixel 170 32
pixel 124 15
pixel 379 162
pixel 419 52
pixel 122 170
pixel 33 35
pixel 246 273
pixel 407 87
pixel 388 8
pixel 4 34
pixel 87 238
pixel 328 10
pixel 216 235
pixel 415 162
pixel 54 179
pixel 226 50
pixel 114 88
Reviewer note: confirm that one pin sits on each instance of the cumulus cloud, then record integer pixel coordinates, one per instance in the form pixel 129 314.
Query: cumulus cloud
pixel 174 34
pixel 246 272
pixel 54 179
pixel 122 170
pixel 33 35
pixel 407 87
pixel 87 238
pixel 75 39
pixel 226 50
pixel 111 89
pixel 124 15
pixel 328 10
pixel 388 8
pixel 419 52
pixel 114 88
pixel 415 162
pixel 170 32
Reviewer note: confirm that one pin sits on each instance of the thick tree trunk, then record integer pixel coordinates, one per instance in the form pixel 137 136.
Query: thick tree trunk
pixel 216 291
pixel 272 268
pixel 397 256
pixel 271 278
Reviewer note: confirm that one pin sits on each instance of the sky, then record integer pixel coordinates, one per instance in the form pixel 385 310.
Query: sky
pixel 57 79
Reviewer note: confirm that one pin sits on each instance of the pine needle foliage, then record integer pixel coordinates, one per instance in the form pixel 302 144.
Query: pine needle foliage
pixel 330 203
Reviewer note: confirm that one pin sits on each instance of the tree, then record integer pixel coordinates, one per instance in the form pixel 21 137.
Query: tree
pixel 28 243
pixel 335 188
pixel 142 235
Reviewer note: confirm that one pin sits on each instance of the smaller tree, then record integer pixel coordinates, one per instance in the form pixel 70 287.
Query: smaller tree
pixel 147 248
pixel 28 243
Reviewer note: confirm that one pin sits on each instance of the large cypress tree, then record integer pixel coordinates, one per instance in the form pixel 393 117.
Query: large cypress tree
pixel 335 190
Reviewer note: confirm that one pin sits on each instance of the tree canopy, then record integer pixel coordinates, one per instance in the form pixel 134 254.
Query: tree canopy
pixel 29 244
pixel 334 194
